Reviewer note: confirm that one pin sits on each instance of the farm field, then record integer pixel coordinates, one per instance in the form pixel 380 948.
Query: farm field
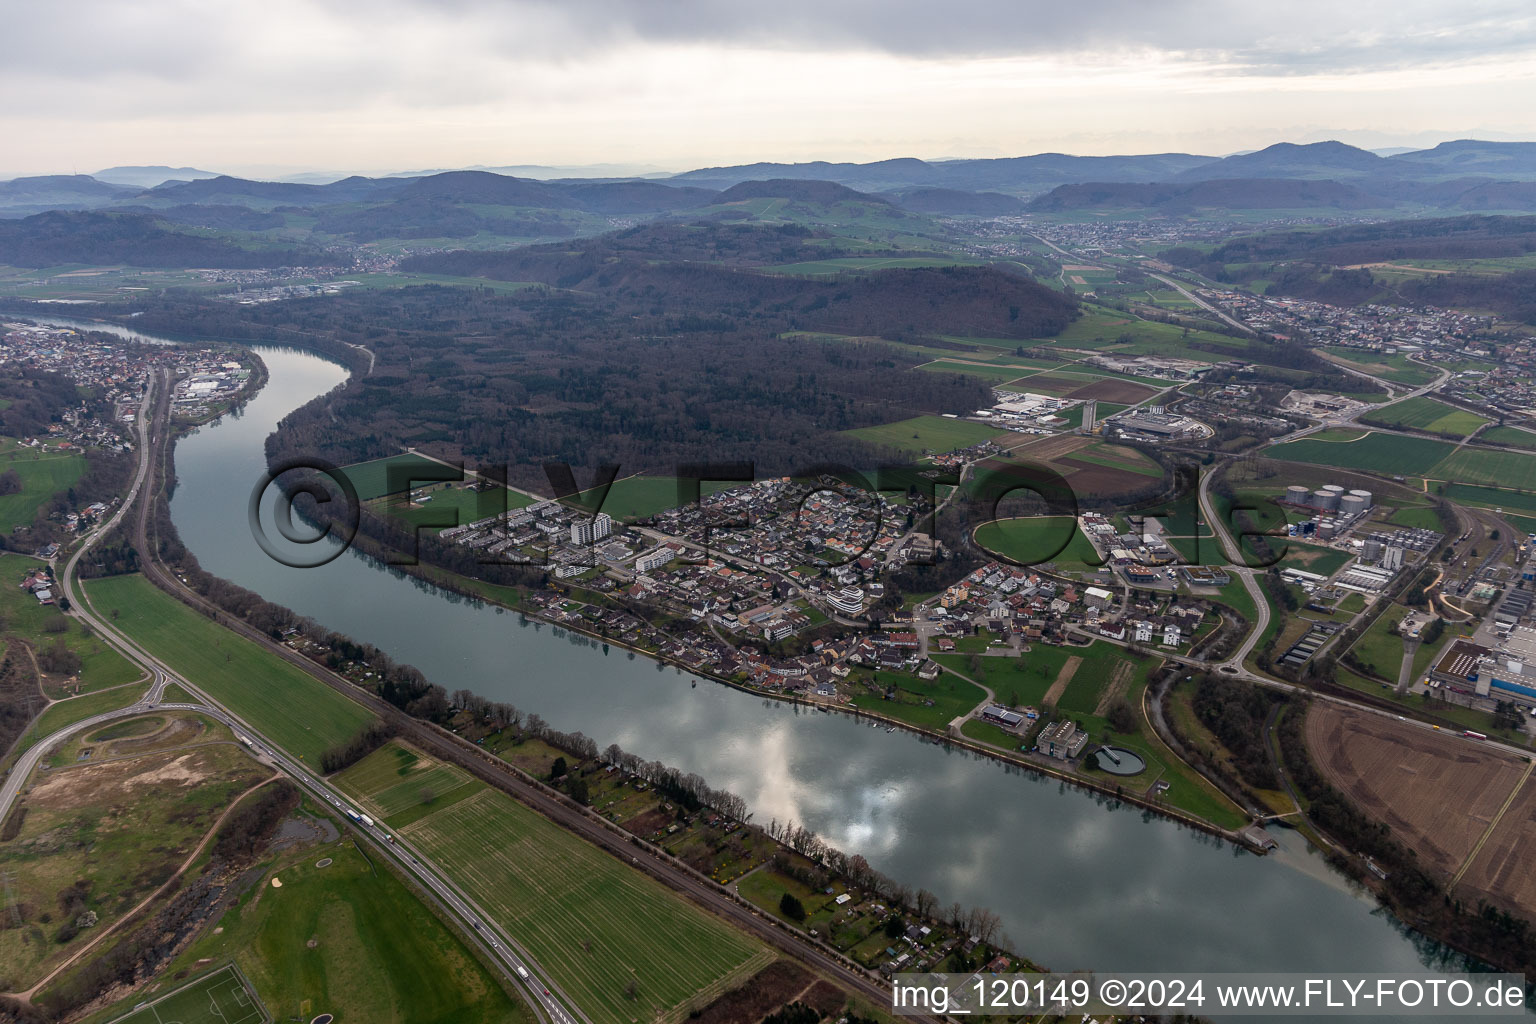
pixel 393 474
pixel 995 374
pixel 295 711
pixel 1436 791
pixel 1513 437
pixel 387 786
pixel 1488 468
pixel 543 884
pixel 1424 413
pixel 927 433
pixel 1501 870
pixel 1381 453
pixel 1492 497
pixel 42 476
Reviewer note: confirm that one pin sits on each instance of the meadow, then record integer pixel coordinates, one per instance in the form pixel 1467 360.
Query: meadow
pixel 281 701
pixel 927 433
pixel 42 476
pixel 379 954
pixel 42 625
pixel 1030 541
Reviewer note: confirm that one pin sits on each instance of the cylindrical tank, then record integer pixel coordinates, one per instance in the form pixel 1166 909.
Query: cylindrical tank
pixel 1335 488
pixel 1370 499
pixel 1353 505
pixel 1296 494
pixel 1326 529
pixel 1372 550
pixel 1325 499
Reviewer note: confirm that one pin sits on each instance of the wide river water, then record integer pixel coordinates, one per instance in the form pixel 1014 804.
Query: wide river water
pixel 1078 882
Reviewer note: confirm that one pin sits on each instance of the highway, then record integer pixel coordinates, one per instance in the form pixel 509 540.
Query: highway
pixel 550 1004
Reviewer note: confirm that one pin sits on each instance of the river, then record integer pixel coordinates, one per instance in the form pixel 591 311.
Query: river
pixel 1078 882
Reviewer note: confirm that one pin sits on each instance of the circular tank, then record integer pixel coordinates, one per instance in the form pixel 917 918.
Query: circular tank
pixel 1296 494
pixel 1325 499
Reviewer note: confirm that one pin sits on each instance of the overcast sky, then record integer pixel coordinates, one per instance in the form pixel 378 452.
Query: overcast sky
pixel 284 85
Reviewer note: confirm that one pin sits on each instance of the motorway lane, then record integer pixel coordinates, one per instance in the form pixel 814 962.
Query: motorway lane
pixel 517 966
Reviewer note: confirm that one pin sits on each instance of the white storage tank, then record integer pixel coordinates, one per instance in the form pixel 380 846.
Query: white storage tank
pixel 1370 499
pixel 1297 495
pixel 1325 499
pixel 1353 505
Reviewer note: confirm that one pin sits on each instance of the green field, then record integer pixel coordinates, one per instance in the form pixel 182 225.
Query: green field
pixel 379 954
pixel 1424 413
pixel 927 433
pixel 1381 649
pixel 592 922
pixel 1381 453
pixel 1492 497
pixel 1397 367
pixel 279 700
pixel 388 786
pixel 1512 437
pixel 1488 468
pixel 925 704
pixel 995 374
pixel 454 506
pixel 373 479
pixel 1038 539
pixel 42 476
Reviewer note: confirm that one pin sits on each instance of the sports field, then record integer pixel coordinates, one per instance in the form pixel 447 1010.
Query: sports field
pixel 927 433
pixel 222 997
pixel 1383 453
pixel 288 706
pixel 592 922
pixel 1423 413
